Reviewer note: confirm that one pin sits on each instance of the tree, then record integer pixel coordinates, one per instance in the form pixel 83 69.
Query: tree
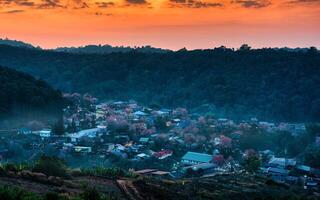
pixel 51 166
pixel 233 81
pixel 160 123
pixel 23 97
pixel 72 128
pixel 91 194
pixel 245 47
pixel 313 130
pixel 225 142
pixel 117 123
pixel 312 157
pixel 251 161
pixel 58 127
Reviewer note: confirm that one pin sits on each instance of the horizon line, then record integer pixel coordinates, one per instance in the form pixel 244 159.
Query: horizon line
pixel 163 48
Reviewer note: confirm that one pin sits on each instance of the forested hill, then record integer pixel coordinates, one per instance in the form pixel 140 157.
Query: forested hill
pixel 15 43
pixel 106 49
pixel 22 96
pixel 271 84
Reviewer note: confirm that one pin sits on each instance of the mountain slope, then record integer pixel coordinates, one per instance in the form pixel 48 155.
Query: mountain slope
pixel 22 96
pixel 271 84
pixel 226 187
pixel 15 43
pixel 106 49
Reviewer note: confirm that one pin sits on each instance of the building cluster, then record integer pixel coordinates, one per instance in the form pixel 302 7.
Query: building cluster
pixel 171 143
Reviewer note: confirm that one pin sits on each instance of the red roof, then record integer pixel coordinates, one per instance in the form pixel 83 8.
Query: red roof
pixel 160 154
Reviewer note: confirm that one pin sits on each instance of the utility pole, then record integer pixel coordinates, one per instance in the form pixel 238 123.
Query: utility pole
pixel 285 158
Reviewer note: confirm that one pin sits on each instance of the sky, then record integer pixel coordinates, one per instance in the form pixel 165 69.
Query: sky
pixel 171 24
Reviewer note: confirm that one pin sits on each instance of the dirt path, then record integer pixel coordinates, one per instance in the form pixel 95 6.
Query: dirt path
pixel 129 189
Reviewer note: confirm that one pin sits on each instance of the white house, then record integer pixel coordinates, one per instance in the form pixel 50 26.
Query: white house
pixel 45 133
pixel 81 149
pixel 90 133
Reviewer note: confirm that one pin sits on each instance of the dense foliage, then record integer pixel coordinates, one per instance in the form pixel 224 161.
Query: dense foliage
pixel 276 84
pixel 106 49
pixel 51 166
pixel 23 95
pixel 15 43
pixel 11 193
pixel 14 193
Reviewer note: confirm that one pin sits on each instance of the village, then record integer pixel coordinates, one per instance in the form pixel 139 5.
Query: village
pixel 158 142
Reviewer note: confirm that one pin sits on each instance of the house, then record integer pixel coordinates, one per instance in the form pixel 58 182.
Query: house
pixel 223 120
pixel 163 112
pixel 119 148
pixel 278 174
pixel 295 129
pixel 109 147
pixel 90 133
pixel 193 158
pixel 145 171
pixel 317 141
pixel 310 183
pixel 45 133
pixel 303 169
pixel 122 138
pixel 183 124
pixel 67 146
pixel 153 173
pixel 144 140
pixel 217 141
pixel 204 168
pixel 160 174
pixel 82 150
pixel 102 127
pixel 176 120
pixel 24 131
pixel 142 156
pixel 277 171
pixel 281 162
pixel 268 154
pixel 162 154
pixel 140 114
pixel 299 128
pixel 133 148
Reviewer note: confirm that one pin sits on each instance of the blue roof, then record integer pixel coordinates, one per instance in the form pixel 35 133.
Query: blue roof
pixel 24 129
pixel 198 157
pixel 304 168
pixel 143 139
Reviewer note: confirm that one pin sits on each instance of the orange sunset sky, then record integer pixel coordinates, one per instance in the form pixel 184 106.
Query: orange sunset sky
pixel 172 24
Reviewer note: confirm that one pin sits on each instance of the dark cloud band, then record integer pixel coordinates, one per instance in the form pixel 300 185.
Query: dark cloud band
pixel 252 3
pixel 193 4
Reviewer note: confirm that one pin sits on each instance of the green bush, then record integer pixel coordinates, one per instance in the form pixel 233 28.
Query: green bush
pixel 91 194
pixel 107 172
pixel 10 167
pixel 10 193
pixel 51 166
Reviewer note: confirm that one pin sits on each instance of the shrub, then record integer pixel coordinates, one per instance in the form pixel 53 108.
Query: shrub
pixel 10 167
pixel 91 194
pixel 10 193
pixel 51 196
pixel 107 172
pixel 51 166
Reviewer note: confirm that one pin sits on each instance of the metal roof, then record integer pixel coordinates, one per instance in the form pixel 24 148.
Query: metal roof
pixel 203 166
pixel 282 161
pixel 197 157
pixel 143 139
